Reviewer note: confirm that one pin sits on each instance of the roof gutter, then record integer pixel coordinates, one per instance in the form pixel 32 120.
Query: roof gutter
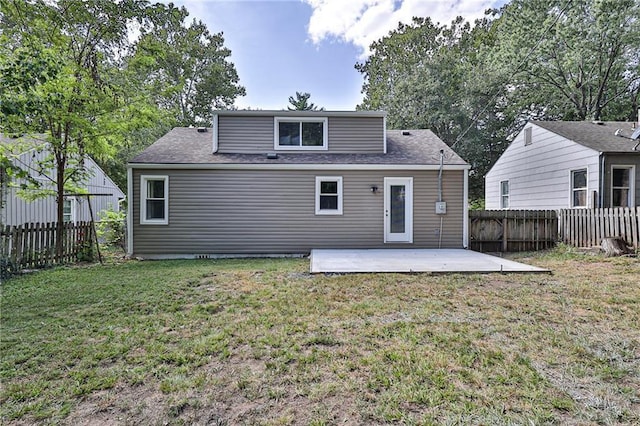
pixel 293 166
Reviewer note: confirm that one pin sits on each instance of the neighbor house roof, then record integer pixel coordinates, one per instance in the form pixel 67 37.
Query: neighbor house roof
pixel 184 145
pixel 22 143
pixel 599 136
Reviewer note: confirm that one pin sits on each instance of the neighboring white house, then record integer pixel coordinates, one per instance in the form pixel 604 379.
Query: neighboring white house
pixel 567 164
pixel 26 153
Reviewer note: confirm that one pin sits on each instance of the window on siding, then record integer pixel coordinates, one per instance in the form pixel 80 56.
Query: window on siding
pixel 300 133
pixel 504 194
pixel 329 195
pixel 154 200
pixel 68 210
pixel 622 186
pixel 527 136
pixel 579 188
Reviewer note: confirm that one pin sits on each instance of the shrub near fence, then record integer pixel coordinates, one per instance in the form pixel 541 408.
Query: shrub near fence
pixel 33 245
pixel 588 227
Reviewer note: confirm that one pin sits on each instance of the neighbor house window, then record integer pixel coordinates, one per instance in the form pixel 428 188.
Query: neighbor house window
pixel 504 194
pixel 527 136
pixel 300 133
pixel 68 211
pixel 329 195
pixel 154 200
pixel 622 186
pixel 579 188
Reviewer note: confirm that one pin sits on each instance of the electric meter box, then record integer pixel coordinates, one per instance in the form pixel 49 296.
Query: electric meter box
pixel 441 207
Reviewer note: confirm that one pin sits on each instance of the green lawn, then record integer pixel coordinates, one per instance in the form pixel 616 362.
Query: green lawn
pixel 263 342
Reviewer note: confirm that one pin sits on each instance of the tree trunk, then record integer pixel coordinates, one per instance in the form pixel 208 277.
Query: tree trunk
pixel 615 247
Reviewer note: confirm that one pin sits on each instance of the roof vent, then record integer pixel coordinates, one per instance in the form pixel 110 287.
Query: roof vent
pixel 202 130
pixel 406 133
pixel 598 122
pixel 272 155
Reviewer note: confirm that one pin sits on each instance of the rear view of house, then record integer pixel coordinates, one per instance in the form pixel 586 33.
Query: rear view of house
pixel 567 164
pixel 286 182
pixel 28 154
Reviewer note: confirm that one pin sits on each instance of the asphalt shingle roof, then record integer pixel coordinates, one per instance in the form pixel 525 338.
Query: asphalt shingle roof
pixel 184 145
pixel 599 136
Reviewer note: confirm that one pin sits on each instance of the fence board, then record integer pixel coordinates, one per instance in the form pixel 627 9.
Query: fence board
pixel 33 245
pixel 512 230
pixel 619 222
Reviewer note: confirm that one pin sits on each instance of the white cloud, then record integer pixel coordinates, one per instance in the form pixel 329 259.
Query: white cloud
pixel 362 22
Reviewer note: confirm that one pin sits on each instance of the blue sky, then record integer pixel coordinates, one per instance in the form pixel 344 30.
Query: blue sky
pixel 283 46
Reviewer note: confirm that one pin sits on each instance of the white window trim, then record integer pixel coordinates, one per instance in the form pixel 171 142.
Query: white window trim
pixel 72 213
pixel 586 189
pixel 319 180
pixel 143 199
pixel 276 135
pixel 508 194
pixel 632 183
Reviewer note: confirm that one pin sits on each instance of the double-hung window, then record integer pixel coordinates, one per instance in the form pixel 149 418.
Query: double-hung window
pixel 68 210
pixel 579 188
pixel 622 186
pixel 504 194
pixel 154 200
pixel 308 133
pixel 329 195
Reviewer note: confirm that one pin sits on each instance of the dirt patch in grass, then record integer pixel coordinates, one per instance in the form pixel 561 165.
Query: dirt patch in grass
pixel 263 342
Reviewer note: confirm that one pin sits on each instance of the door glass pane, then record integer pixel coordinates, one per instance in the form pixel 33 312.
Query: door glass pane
pixel 397 215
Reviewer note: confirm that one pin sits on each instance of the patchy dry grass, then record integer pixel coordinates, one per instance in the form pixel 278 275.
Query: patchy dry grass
pixel 263 342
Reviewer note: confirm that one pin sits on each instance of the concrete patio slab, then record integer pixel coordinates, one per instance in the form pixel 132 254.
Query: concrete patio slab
pixel 412 260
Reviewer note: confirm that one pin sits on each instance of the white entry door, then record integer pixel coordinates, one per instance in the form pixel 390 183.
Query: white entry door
pixel 398 210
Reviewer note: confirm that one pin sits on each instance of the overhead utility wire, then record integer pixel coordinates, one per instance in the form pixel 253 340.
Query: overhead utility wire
pixel 520 65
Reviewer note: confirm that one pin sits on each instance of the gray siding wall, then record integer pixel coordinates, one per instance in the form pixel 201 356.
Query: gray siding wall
pixel 254 135
pixel 539 174
pixel 271 212
pixel 17 210
pixel 621 160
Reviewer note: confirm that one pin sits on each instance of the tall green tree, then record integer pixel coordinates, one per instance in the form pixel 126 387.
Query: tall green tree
pixel 570 60
pixel 188 68
pixel 434 76
pixel 60 77
pixel 301 103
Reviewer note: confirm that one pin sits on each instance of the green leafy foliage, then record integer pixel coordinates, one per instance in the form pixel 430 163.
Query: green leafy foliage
pixel 475 86
pixel 301 103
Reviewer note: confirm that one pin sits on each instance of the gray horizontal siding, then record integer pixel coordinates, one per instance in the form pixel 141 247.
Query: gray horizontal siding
pixel 17 210
pixel 254 135
pixel 363 135
pixel 245 135
pixel 262 212
pixel 539 174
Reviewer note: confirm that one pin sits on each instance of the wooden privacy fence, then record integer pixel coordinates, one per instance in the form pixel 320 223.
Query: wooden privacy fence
pixel 512 230
pixel 33 245
pixel 587 227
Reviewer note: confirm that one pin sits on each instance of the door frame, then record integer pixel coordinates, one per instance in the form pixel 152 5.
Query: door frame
pixel 407 236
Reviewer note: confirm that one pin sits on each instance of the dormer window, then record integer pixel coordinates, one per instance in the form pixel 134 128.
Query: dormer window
pixel 300 133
